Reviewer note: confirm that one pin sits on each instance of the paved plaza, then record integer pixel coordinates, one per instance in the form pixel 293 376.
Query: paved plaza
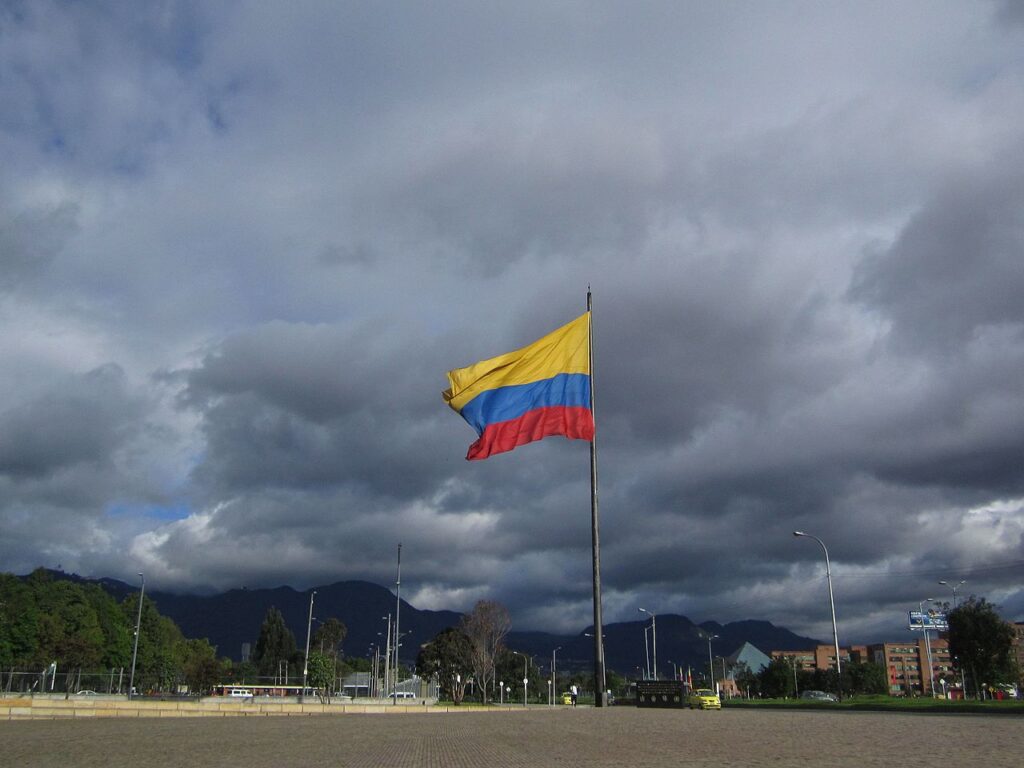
pixel 563 738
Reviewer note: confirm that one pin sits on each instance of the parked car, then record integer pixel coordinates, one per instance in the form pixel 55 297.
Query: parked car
pixel 86 693
pixel 704 698
pixel 818 696
pixel 403 695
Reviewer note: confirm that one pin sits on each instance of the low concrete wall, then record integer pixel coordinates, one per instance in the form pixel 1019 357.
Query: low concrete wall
pixel 47 708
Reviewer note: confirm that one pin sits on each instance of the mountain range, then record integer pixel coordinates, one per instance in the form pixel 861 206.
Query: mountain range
pixel 233 618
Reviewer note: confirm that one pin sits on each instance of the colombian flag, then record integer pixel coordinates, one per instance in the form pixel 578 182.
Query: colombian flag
pixel 540 390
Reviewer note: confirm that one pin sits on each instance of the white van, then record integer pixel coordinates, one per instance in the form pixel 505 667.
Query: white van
pixel 404 695
pixel 240 693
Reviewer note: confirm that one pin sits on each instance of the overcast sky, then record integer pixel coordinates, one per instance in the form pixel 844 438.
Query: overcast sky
pixel 242 243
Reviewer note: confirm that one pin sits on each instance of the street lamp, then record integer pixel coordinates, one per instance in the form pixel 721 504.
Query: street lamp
pixel 675 669
pixel 711 662
pixel 135 648
pixel 954 587
pixel 832 605
pixel 654 639
pixel 928 648
pixel 309 626
pixel 525 678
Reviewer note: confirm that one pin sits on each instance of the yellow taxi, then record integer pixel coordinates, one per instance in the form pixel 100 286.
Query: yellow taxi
pixel 704 698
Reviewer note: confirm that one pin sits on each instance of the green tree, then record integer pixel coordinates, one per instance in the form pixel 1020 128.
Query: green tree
pixel 321 674
pixel 449 656
pixel 746 680
pixel 981 643
pixel 19 623
pixel 202 670
pixel 776 680
pixel 275 644
pixel 329 636
pixel 865 678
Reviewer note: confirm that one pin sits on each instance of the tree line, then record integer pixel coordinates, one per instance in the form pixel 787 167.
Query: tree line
pixel 70 628
pixel 68 636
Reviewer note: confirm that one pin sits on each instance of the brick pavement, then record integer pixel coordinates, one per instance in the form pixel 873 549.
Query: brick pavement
pixel 563 738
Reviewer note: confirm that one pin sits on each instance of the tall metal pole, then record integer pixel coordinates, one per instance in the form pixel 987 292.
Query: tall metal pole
pixel 309 627
pixel 647 656
pixel 711 662
pixel 398 607
pixel 135 648
pixel 928 649
pixel 387 659
pixel 832 605
pixel 599 671
pixel 554 675
pixel 654 642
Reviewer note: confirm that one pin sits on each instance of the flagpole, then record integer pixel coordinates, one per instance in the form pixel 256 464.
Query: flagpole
pixel 600 695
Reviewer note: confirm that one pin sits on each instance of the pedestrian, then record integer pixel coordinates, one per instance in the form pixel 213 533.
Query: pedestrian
pixel 574 692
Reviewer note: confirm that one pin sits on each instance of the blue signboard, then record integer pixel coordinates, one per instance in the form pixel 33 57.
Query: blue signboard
pixel 928 620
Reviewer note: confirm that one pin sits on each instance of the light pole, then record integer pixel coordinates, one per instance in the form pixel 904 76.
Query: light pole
pixel 501 692
pixel 387 659
pixel 723 669
pixel 954 587
pixel 309 626
pixel 554 676
pixel 135 648
pixel 832 605
pixel 711 662
pixel 525 678
pixel 654 639
pixel 928 649
pixel 675 669
pixel 647 655
pixel 398 607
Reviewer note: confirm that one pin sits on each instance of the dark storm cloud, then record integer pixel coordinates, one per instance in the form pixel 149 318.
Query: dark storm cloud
pixel 801 226
pixel 956 269
pixel 83 422
pixel 300 405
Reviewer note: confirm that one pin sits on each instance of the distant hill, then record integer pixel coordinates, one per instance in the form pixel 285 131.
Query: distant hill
pixel 679 640
pixel 232 618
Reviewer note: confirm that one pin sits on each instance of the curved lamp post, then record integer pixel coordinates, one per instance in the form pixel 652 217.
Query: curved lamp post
pixel 654 639
pixel 928 649
pixel 525 678
pixel 711 661
pixel 954 587
pixel 135 648
pixel 309 626
pixel 832 605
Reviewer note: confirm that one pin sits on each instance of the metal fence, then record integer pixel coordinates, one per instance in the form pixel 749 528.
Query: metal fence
pixel 51 680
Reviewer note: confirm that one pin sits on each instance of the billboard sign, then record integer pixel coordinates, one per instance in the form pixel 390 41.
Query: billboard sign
pixel 928 620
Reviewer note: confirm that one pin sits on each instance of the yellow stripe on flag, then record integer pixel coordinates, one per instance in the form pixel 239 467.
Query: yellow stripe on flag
pixel 565 350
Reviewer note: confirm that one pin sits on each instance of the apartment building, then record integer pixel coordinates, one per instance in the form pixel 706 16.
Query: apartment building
pixel 822 657
pixel 907 667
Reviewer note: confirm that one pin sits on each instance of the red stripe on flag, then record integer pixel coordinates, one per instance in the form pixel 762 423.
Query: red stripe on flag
pixel 574 423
